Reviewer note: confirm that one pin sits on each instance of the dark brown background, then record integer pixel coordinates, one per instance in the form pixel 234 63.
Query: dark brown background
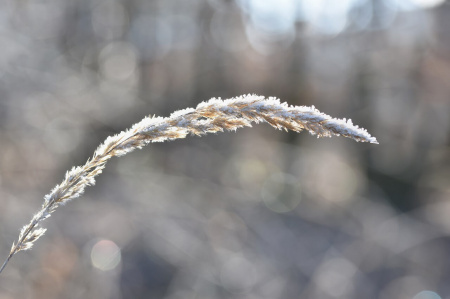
pixel 258 213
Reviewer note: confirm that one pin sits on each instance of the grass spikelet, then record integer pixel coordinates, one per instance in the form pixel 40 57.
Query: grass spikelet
pixel 213 116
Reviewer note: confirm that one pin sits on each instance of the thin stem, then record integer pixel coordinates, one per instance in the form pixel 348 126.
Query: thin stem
pixel 14 250
pixel 6 261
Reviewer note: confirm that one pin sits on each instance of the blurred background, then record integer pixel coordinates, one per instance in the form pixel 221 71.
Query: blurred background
pixel 258 213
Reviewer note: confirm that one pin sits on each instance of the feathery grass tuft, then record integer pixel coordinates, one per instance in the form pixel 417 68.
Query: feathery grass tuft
pixel 213 116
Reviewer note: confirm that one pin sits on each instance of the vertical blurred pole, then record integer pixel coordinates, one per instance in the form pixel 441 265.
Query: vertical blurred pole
pixel 297 90
pixel 209 76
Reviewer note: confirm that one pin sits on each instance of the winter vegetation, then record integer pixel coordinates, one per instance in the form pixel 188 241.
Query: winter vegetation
pixel 213 116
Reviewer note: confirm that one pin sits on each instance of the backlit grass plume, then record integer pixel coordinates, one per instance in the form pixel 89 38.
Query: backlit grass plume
pixel 213 116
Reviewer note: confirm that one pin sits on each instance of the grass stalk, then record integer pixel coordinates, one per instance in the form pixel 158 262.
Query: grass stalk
pixel 213 116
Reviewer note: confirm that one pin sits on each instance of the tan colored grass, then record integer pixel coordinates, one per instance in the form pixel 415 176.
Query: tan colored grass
pixel 209 117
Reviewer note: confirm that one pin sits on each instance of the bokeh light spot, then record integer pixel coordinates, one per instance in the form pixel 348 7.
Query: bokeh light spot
pixel 273 16
pixel 118 61
pixel 281 193
pixel 326 17
pixel 427 3
pixel 238 275
pixel 427 295
pixel 105 255
pixel 335 277
pixel 271 24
